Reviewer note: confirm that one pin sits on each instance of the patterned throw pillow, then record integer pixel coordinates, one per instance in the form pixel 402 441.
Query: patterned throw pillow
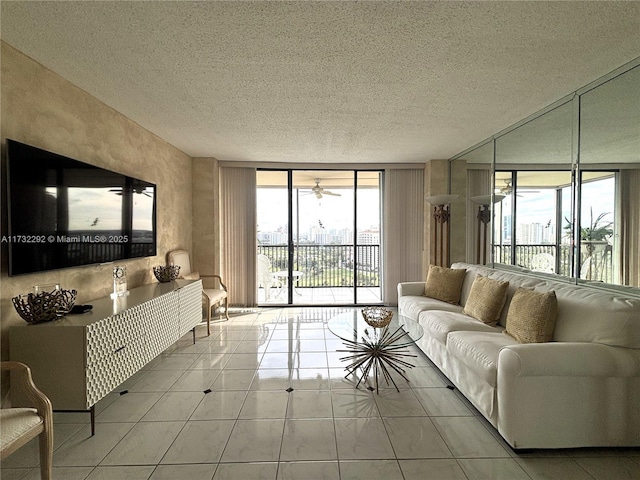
pixel 486 299
pixel 444 284
pixel 532 316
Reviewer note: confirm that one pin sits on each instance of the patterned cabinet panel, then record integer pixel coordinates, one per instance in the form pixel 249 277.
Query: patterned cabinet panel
pixel 190 307
pixel 160 320
pixel 115 351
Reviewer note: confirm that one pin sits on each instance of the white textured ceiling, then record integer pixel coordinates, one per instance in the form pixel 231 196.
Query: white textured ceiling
pixel 328 82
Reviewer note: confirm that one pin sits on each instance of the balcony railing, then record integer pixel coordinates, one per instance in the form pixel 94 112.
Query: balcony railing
pixel 596 262
pixel 328 265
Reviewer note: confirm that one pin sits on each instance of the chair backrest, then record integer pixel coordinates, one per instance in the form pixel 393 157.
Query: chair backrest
pixel 180 257
pixel 264 271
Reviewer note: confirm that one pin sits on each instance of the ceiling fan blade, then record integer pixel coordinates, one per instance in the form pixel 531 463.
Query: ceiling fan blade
pixel 326 192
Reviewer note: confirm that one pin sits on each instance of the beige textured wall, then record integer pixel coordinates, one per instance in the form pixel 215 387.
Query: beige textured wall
pixel 206 228
pixel 41 108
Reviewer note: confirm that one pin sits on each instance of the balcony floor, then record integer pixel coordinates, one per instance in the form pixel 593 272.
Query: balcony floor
pixel 322 296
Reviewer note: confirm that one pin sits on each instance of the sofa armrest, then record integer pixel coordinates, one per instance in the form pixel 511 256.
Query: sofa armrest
pixel 568 394
pixel 568 359
pixel 410 288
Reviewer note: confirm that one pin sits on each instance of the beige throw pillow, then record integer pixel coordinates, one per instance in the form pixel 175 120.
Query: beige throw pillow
pixel 444 283
pixel 486 299
pixel 532 316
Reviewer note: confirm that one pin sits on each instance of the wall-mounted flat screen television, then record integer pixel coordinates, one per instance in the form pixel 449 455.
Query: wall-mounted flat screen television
pixel 66 213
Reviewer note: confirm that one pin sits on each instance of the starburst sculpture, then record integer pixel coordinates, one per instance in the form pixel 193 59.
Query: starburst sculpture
pixel 377 350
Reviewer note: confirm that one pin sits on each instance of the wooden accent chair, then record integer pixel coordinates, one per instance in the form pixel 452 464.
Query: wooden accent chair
pixel 214 291
pixel 21 424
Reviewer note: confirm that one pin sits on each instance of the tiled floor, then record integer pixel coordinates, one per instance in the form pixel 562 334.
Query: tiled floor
pixel 250 427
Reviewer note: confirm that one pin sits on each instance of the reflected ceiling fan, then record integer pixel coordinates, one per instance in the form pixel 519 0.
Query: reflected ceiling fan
pixel 508 188
pixel 319 192
pixel 137 189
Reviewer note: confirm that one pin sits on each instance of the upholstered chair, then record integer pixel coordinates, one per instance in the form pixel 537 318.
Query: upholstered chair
pixel 214 290
pixel 30 416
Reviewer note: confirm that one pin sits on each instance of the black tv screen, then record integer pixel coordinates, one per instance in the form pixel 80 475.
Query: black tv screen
pixel 66 213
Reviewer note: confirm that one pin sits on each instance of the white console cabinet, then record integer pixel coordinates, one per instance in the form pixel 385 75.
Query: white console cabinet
pixel 79 359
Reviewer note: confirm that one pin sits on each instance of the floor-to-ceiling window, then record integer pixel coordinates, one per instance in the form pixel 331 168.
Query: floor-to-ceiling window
pixel 318 239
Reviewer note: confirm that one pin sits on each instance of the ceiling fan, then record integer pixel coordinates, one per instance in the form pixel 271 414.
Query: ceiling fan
pixel 319 191
pixel 137 189
pixel 508 188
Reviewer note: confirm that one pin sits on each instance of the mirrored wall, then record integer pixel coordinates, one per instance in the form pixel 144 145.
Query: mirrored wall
pixel 562 187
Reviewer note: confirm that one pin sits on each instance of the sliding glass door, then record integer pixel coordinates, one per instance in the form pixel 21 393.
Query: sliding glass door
pixel 318 237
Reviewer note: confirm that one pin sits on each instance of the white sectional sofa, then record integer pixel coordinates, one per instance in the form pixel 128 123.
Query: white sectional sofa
pixel 580 389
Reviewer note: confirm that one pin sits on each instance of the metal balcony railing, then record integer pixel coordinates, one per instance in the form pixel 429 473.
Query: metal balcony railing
pixel 595 263
pixel 328 265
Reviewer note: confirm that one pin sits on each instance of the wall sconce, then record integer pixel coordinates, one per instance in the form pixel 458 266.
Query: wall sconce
pixel 441 215
pixel 484 217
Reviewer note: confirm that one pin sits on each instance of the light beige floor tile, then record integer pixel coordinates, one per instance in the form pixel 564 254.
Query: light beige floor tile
pixel 310 379
pixel 440 469
pixel 353 404
pixel 306 359
pixel 271 379
pixel 280 346
pixel 121 473
pixel 18 473
pixel 155 381
pixel 441 402
pixel 82 449
pixel 129 408
pixel 611 468
pixel 368 469
pixel 184 472
pixel 309 404
pixel 199 442
pixel 468 438
pixel 362 438
pixel 175 361
pixel 280 360
pixel 308 471
pixel 233 380
pixel 550 468
pixel 340 380
pixel 246 471
pixel 392 403
pixel 415 437
pixel 66 473
pixel 195 380
pixel 145 444
pixel 309 439
pixel 254 441
pixel 424 377
pixel 220 405
pixel 265 404
pixel 174 406
pixel 211 361
pixel 492 469
pixel 243 361
pixel 255 347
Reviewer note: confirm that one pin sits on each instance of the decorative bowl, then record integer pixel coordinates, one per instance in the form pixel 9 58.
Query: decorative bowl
pixel 166 273
pixel 44 306
pixel 377 317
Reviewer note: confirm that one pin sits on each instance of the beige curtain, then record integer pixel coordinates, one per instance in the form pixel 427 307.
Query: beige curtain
pixel 629 233
pixel 238 234
pixel 403 240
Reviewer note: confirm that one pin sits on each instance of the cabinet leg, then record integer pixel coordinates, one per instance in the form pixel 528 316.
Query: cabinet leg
pixel 193 330
pixel 92 412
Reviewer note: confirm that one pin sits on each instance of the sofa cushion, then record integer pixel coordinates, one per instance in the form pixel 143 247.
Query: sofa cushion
pixel 486 300
pixel 586 314
pixel 439 324
pixel 411 306
pixel 444 284
pixel 532 316
pixel 479 351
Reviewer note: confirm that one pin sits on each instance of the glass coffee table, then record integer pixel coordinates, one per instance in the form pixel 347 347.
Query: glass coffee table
pixel 381 350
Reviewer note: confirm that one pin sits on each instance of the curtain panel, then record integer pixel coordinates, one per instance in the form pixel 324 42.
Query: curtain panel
pixel 629 220
pixel 238 234
pixel 403 238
